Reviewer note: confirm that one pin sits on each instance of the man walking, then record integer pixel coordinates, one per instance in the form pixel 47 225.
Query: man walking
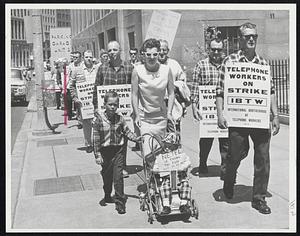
pixel 238 136
pixel 76 60
pixel 206 72
pixel 85 72
pixel 178 75
pixel 116 71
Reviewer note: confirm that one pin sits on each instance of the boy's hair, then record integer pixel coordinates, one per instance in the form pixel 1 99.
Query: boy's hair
pixel 110 94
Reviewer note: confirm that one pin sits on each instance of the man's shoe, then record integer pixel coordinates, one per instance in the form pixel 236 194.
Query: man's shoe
pixel 120 208
pixel 89 149
pixel 109 199
pixel 203 169
pixel 106 199
pixel 261 206
pixel 166 210
pixel 79 126
pixel 228 189
pixel 185 209
pixel 125 174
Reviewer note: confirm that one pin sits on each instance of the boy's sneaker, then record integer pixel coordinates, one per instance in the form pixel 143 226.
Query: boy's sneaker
pixel 106 199
pixel 89 149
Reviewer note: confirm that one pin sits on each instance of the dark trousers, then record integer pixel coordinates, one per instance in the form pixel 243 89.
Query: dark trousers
pixel 69 104
pixel 205 145
pixel 58 102
pixel 112 167
pixel 238 149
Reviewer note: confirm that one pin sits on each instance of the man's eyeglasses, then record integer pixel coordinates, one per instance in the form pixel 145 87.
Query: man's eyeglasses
pixel 132 53
pixel 153 54
pixel 247 37
pixel 216 49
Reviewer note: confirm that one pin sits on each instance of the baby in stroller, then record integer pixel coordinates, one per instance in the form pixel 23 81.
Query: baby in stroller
pixel 169 168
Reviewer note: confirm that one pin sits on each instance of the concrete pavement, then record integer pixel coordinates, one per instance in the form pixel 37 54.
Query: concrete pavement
pixel 60 186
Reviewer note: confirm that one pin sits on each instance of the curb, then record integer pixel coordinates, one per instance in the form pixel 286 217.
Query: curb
pixel 17 162
pixel 18 154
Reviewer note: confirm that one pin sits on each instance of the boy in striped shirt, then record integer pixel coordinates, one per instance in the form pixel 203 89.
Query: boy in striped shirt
pixel 109 132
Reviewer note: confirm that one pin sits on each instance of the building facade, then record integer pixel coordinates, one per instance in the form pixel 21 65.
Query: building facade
pixel 92 29
pixel 63 18
pixel 21 50
pixel 48 21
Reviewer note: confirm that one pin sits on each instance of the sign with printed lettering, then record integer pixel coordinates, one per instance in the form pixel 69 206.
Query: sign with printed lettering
pixel 207 107
pixel 174 160
pixel 163 25
pixel 85 95
pixel 124 92
pixel 247 95
pixel 60 43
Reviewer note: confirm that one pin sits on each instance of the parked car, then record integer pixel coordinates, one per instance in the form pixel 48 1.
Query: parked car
pixel 19 88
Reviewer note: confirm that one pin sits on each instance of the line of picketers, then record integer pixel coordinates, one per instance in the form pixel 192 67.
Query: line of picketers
pixel 159 97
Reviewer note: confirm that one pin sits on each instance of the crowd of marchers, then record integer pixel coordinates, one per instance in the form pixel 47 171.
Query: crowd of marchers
pixel 158 106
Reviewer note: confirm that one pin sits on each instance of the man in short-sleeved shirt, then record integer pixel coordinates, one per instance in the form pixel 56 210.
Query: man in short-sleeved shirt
pixel 85 72
pixel 206 72
pixel 238 136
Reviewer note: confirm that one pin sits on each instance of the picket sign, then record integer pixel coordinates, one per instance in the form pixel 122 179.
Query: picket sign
pixel 174 160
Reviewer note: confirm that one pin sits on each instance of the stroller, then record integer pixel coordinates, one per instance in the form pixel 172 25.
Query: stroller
pixel 166 156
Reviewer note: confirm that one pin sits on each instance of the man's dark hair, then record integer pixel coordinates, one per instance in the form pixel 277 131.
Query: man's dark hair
pixel 151 43
pixel 110 94
pixel 77 52
pixel 133 49
pixel 246 25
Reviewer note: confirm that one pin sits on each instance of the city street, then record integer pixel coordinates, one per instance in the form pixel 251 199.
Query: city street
pixel 60 186
pixel 68 55
pixel 18 111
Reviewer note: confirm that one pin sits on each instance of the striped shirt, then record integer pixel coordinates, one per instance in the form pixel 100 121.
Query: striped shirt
pixel 107 75
pixel 205 73
pixel 82 74
pixel 239 57
pixel 110 133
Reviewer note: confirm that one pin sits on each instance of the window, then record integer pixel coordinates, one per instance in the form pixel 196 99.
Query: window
pixel 101 40
pixel 23 34
pixel 16 29
pixel 21 12
pixel 231 35
pixel 12 29
pixel 94 48
pixel 111 34
pixel 131 40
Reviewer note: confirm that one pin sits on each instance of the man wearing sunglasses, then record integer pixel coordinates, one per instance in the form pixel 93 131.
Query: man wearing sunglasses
pixel 238 136
pixel 116 71
pixel 206 72
pixel 133 54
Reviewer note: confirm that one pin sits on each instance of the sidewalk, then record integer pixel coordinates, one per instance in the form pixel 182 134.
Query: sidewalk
pixel 61 186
